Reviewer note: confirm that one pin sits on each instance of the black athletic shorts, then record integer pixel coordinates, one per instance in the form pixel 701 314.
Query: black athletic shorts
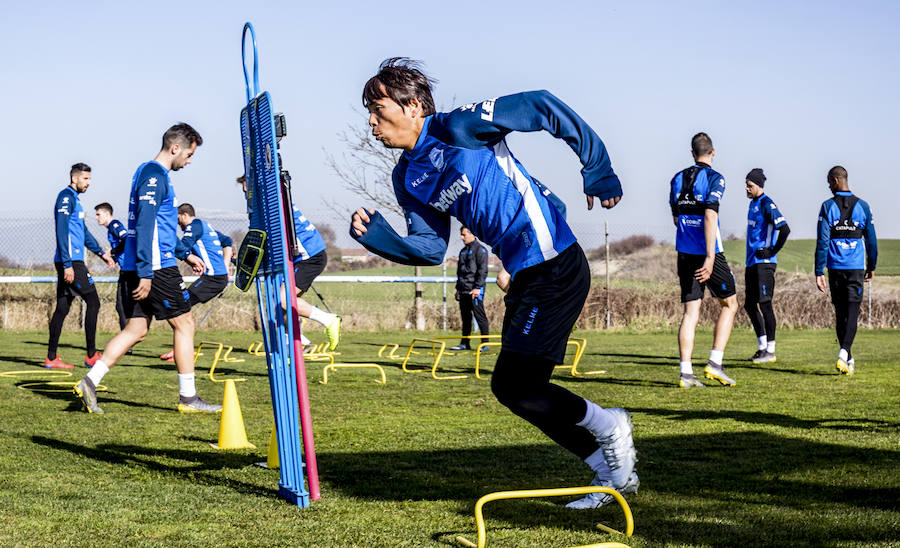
pixel 544 302
pixel 167 298
pixel 305 272
pixel 206 288
pixel 720 283
pixel 846 285
pixel 759 280
pixel 82 285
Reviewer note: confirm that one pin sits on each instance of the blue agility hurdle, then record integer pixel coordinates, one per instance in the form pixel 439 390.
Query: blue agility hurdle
pixel 272 233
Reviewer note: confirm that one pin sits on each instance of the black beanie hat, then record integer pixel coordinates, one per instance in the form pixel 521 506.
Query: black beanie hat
pixel 757 176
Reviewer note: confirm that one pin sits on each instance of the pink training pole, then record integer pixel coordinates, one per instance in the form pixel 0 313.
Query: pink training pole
pixel 309 446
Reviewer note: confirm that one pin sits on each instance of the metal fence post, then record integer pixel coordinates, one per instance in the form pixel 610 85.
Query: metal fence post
pixel 606 230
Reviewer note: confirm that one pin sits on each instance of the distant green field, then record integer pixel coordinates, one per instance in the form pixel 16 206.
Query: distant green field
pixel 799 255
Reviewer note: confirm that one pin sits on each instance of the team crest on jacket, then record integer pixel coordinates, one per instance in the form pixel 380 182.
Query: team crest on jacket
pixel 437 158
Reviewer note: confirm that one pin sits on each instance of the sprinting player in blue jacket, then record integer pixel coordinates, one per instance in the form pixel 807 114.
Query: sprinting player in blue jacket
pixel 153 285
pixel 766 233
pixel 115 234
pixel 457 164
pixel 694 198
pixel 848 247
pixel 73 279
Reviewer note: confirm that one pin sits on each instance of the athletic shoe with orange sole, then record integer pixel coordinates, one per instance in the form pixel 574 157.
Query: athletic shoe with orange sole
pixel 57 363
pixel 168 356
pixel 89 361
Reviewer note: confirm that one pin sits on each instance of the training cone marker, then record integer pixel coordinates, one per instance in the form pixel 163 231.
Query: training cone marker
pixel 271 461
pixel 232 434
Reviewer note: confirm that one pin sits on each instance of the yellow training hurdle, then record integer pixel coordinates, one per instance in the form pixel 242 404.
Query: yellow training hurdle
pixel 438 351
pixel 579 344
pixel 217 357
pixel 333 366
pixel 560 492
pixel 256 349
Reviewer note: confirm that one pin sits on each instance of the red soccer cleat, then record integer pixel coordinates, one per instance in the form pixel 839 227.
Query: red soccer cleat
pixel 89 361
pixel 168 356
pixel 57 363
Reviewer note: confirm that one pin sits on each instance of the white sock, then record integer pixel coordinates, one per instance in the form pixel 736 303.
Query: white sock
pixel 186 386
pixel 762 342
pixel 321 316
pixel 716 356
pixel 97 372
pixel 597 420
pixel 597 462
pixel 687 369
pixel 841 355
pixel 770 347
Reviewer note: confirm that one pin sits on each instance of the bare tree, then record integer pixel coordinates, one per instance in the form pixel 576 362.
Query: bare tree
pixel 365 169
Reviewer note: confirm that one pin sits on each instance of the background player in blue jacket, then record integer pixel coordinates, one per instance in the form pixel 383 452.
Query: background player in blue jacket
pixel 73 278
pixel 471 272
pixel 153 285
pixel 694 198
pixel 766 233
pixel 115 234
pixel 457 164
pixel 214 249
pixel 847 245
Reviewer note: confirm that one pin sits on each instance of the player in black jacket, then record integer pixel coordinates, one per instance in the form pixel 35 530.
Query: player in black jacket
pixel 471 271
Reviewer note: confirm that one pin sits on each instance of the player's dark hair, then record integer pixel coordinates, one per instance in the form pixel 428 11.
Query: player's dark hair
pixel 401 79
pixel 105 206
pixel 837 173
pixel 186 209
pixel 79 168
pixel 701 144
pixel 183 134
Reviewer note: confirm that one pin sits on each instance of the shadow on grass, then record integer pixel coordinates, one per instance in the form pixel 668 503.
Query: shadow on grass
pixel 197 467
pixel 37 362
pixel 859 424
pixel 51 392
pixel 726 477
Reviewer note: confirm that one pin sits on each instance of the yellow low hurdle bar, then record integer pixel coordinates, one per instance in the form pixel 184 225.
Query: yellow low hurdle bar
pixel 438 351
pixel 560 492
pixel 333 366
pixel 217 357
pixel 256 349
pixel 579 344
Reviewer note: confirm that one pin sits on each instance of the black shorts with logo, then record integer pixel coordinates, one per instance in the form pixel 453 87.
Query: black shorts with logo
pixel 305 272
pixel 82 285
pixel 167 298
pixel 759 280
pixel 206 288
pixel 544 302
pixel 846 285
pixel 720 283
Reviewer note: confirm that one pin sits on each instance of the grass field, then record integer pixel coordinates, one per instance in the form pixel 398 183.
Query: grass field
pixel 794 455
pixel 799 256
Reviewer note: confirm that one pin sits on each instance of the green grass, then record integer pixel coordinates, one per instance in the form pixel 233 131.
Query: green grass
pixel 799 255
pixel 794 455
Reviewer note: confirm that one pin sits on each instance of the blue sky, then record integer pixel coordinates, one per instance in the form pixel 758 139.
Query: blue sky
pixel 792 87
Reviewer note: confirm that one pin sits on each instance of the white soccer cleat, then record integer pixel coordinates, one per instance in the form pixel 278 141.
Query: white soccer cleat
pixel 596 500
pixel 618 448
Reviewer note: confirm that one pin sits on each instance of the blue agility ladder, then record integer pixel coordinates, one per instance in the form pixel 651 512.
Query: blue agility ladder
pixel 269 209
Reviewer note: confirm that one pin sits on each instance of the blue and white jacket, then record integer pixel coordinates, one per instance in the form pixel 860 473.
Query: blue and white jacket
pixel 763 222
pixel 309 241
pixel 461 167
pixel 692 192
pixel 72 237
pixel 846 235
pixel 207 243
pixel 152 242
pixel 116 235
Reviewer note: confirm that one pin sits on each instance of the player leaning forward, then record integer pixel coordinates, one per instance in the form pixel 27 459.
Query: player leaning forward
pixel 152 283
pixel 457 164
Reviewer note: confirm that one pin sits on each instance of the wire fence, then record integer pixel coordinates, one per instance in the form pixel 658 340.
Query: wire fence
pixel 636 286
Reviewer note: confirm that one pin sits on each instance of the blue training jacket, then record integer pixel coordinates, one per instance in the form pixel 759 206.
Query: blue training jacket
pixel 72 237
pixel 152 242
pixel 692 192
pixel 116 235
pixel 309 240
pixel 846 232
pixel 763 221
pixel 207 243
pixel 461 167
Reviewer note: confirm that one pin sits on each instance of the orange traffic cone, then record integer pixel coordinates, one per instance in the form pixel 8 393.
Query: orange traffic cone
pixel 232 434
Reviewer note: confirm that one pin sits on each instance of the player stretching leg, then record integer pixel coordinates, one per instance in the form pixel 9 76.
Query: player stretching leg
pixel 153 284
pixel 458 164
